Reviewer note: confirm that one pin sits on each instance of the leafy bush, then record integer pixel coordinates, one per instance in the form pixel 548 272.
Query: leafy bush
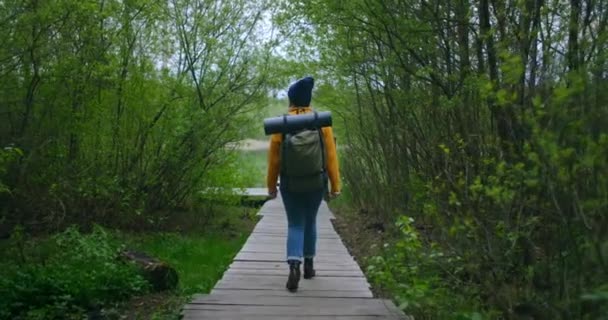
pixel 65 276
pixel 415 275
pixel 7 156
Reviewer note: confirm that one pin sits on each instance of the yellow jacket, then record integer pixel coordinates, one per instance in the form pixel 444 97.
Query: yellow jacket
pixel 331 156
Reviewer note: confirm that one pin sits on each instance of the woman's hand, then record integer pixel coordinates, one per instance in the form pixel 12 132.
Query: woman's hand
pixel 331 195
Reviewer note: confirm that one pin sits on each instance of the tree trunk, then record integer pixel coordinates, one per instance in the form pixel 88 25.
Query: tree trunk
pixel 573 54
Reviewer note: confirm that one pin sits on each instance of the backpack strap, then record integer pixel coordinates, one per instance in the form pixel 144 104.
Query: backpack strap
pixel 320 131
pixel 283 169
pixel 283 145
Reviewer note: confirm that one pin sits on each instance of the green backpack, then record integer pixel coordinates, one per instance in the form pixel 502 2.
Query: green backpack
pixel 303 161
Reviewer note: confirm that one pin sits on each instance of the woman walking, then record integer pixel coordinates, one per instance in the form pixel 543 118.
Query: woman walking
pixel 303 181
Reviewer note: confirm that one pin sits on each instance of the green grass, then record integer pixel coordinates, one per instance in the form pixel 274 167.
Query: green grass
pixel 200 256
pixel 68 275
pixel 254 164
pixel 200 260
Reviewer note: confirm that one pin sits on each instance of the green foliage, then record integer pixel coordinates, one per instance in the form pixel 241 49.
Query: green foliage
pixel 65 276
pixel 72 275
pixel 124 108
pixel 254 166
pixel 200 260
pixel 495 147
pixel 7 156
pixel 414 274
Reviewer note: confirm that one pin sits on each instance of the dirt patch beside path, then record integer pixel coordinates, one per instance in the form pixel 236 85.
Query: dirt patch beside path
pixel 363 238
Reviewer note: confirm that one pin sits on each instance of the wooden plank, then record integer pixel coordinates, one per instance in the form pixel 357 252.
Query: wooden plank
pixel 271 256
pixel 283 226
pixel 271 236
pixel 340 283
pixel 282 241
pixel 271 208
pixel 283 234
pixel 279 214
pixel 287 300
pixel 258 238
pixel 283 231
pixel 325 251
pixel 372 308
pixel 282 265
pixel 193 314
pixel 323 245
pixel 280 245
pixel 275 243
pixel 316 284
pixel 300 293
pixel 283 272
pixel 319 265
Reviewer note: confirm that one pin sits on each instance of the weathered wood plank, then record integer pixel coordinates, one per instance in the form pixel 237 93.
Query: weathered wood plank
pixel 271 256
pixel 282 251
pixel 277 236
pixel 283 234
pixel 262 283
pixel 372 308
pixel 275 207
pixel 282 265
pixel 193 314
pixel 283 229
pixel 281 243
pixel 270 282
pixel 274 257
pixel 236 299
pixel 263 239
pixel 282 272
pixel 300 293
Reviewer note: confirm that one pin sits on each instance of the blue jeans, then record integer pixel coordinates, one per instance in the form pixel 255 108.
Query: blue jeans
pixel 302 208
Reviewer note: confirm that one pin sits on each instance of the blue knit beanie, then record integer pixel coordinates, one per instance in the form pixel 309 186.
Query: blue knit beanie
pixel 300 93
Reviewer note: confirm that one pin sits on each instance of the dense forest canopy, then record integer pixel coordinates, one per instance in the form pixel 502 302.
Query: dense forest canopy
pixel 477 126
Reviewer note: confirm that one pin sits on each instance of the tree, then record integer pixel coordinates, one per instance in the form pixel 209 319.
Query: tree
pixel 496 166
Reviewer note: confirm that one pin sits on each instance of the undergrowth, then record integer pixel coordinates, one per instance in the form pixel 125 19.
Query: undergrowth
pixel 76 274
pixel 66 276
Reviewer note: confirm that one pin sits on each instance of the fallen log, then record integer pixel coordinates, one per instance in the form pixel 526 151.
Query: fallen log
pixel 158 273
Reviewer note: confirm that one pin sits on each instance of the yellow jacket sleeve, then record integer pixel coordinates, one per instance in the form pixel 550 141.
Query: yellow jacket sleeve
pixel 331 161
pixel 274 162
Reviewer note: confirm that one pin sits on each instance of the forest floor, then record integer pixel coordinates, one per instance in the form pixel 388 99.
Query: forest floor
pixel 199 245
pixel 200 259
pixel 363 237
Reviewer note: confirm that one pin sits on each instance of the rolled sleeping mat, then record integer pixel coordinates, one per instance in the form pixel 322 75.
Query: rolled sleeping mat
pixel 293 123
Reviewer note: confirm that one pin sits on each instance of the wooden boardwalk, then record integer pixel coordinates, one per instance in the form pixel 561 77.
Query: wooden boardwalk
pixel 254 285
